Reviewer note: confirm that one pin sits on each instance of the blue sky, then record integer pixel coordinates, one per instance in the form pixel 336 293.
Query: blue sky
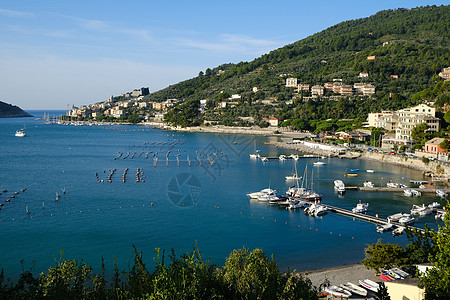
pixel 56 53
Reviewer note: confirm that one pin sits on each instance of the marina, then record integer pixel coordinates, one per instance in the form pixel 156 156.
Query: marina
pixel 118 179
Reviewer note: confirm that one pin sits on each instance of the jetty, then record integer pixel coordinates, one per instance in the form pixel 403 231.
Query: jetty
pixel 389 189
pixel 364 217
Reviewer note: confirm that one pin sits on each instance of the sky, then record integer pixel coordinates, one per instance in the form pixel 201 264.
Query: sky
pixel 55 54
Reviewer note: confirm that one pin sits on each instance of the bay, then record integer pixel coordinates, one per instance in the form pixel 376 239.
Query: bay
pixel 100 219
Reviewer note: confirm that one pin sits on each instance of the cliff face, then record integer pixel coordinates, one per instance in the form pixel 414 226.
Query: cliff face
pixel 12 111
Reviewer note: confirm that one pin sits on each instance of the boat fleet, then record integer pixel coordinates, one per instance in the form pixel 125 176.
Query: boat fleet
pixel 348 289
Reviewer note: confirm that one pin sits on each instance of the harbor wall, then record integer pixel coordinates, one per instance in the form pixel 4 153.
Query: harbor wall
pixel 414 163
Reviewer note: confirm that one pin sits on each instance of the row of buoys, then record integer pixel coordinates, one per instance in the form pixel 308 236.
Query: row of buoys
pixel 140 175
pixel 299 226
pixel 13 196
pixel 124 175
pixel 73 212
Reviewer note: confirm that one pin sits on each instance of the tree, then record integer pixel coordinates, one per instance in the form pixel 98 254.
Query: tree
pixel 445 144
pixel 382 293
pixel 383 256
pixel 437 280
pixel 420 134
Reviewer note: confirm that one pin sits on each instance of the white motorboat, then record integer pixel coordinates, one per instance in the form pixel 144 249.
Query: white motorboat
pixel 263 192
pixel 391 184
pixel 339 186
pixel 398 231
pixel 319 163
pixel 320 210
pixel 294 156
pixel 406 220
pixel 311 196
pixel 293 177
pixel 268 197
pixel 440 215
pixel 370 171
pixel 412 193
pixel 338 183
pixel 361 208
pixel 264 159
pixel 354 289
pixel 384 228
pixel 296 204
pixel 282 157
pixel 338 291
pixel 441 193
pixel 370 285
pixel 420 210
pixel 434 206
pixel 396 217
pixel 20 133
pixel 368 184
pixel 255 154
pixel 296 192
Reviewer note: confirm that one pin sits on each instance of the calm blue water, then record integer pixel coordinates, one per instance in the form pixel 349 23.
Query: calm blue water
pixel 94 220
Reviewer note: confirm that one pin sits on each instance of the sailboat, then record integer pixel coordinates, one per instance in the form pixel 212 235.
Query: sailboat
pixel 311 195
pixel 319 162
pixel 296 190
pixel 255 154
pixel 295 175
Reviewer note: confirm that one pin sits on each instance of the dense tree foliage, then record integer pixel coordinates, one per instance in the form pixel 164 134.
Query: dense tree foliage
pixel 246 275
pixel 410 43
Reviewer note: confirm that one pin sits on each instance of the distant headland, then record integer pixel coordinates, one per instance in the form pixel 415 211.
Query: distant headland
pixel 12 111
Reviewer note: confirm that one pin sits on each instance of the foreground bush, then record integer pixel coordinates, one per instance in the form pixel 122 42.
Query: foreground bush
pixel 246 275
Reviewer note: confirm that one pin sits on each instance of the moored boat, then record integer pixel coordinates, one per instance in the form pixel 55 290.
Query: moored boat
pixel 361 208
pixel 338 291
pixel 368 184
pixel 434 206
pixel 354 289
pixel 370 285
pixel 441 193
pixel 420 210
pixel 263 192
pixel 398 231
pixel 384 228
pixel 412 193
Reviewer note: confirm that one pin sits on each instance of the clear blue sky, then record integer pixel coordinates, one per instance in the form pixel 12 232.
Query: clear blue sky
pixel 55 53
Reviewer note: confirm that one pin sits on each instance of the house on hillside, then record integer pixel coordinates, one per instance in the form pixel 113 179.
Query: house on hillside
pixel 433 146
pixel 363 75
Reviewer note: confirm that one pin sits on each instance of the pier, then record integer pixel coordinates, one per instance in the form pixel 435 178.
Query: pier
pixel 388 189
pixel 364 217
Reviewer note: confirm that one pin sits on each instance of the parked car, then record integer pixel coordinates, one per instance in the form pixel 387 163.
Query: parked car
pixel 391 153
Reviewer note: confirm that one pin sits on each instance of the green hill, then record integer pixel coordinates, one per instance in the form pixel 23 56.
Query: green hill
pixel 11 111
pixel 413 44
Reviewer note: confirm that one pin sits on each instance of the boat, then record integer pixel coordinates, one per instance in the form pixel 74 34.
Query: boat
pixel 369 284
pixel 441 193
pixel 360 208
pixel 400 272
pixel 311 196
pixel 255 195
pixel 20 133
pixel 294 156
pixel 255 154
pixel 420 210
pixel 319 163
pixel 391 184
pixel 268 197
pixel 384 228
pixel 440 215
pixel 339 186
pixel 368 184
pixel 296 204
pixel 385 278
pixel 295 175
pixel 352 175
pixel 412 193
pixel 398 231
pixel 434 206
pixel 392 274
pixel 282 157
pixel 264 159
pixel 354 289
pixel 406 220
pixel 370 171
pixel 354 170
pixel 397 216
pixel 338 291
pixel 320 210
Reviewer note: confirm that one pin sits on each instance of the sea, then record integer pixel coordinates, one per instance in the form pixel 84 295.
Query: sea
pixel 93 192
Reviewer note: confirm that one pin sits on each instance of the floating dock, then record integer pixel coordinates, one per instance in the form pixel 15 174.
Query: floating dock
pixel 388 189
pixel 364 217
